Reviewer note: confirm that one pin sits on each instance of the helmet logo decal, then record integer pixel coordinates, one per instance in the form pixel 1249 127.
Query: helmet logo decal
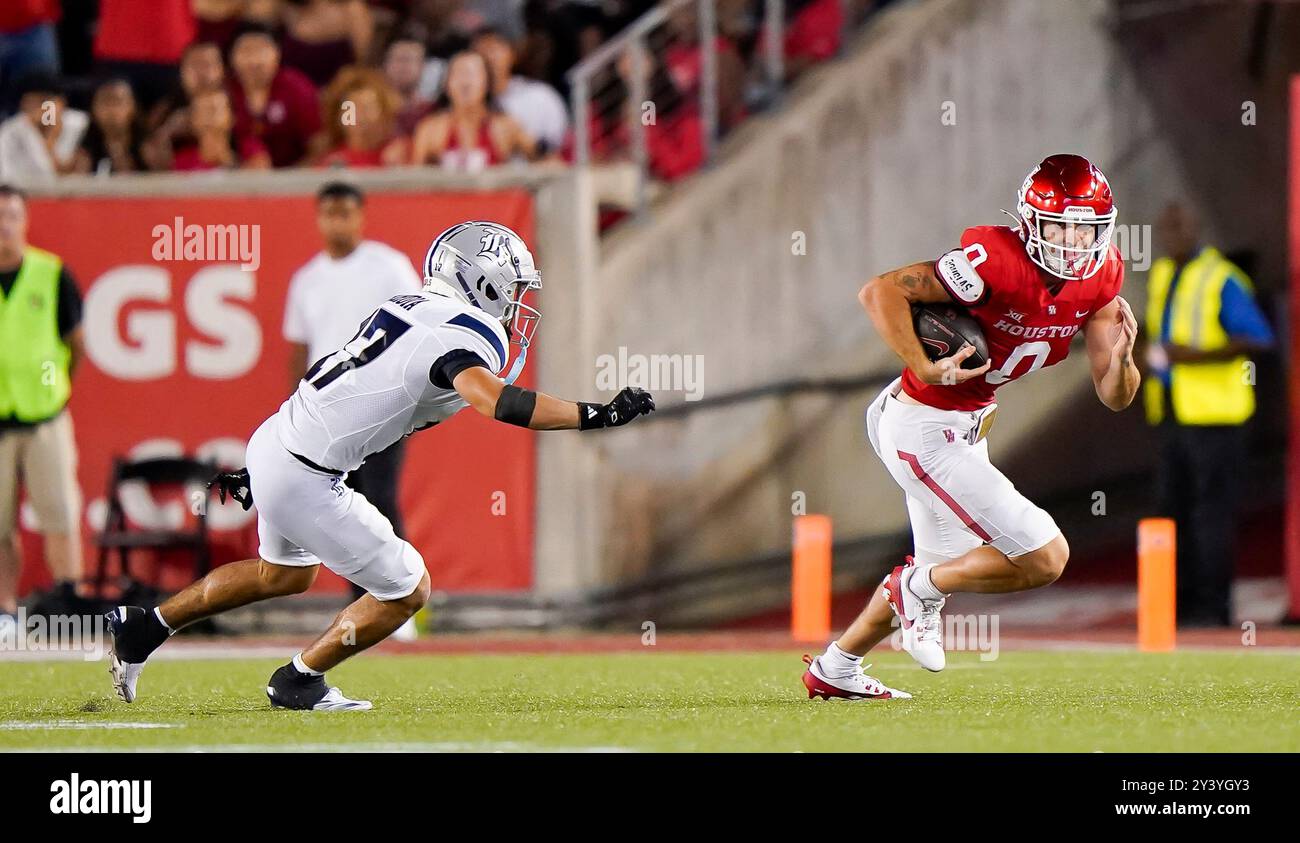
pixel 495 246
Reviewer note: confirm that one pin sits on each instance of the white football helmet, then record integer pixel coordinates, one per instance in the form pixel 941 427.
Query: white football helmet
pixel 489 267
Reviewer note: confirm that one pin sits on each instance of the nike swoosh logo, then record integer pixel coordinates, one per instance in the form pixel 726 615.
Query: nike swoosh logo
pixel 1078 315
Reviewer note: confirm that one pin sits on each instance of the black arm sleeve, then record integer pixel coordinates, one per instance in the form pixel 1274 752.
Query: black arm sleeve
pixel 445 369
pixel 515 406
pixel 69 303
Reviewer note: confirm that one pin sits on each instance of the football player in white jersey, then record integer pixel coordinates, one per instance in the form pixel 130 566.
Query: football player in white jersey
pixel 414 362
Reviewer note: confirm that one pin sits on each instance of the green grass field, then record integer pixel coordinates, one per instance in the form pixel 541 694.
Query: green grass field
pixel 1026 701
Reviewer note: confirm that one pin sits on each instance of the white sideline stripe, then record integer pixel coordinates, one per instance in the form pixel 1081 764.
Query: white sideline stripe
pixel 443 746
pixel 197 652
pixel 1026 644
pixel 33 725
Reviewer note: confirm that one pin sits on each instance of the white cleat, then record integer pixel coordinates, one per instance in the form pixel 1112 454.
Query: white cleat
pixel 335 701
pixel 854 686
pixel 124 675
pixel 920 621
pixel 288 688
pixel 332 701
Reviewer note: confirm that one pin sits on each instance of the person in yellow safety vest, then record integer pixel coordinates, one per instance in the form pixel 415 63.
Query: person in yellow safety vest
pixel 1202 323
pixel 40 316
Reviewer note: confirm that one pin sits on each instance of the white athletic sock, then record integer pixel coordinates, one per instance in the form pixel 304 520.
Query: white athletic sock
pixel 157 614
pixel 838 662
pixel 923 587
pixel 302 668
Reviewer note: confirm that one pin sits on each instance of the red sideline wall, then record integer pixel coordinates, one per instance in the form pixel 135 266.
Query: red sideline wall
pixel 188 356
pixel 1293 432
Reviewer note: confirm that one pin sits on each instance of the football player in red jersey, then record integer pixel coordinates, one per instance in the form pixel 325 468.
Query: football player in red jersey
pixel 1031 287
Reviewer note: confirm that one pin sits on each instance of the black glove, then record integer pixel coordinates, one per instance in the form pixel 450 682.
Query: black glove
pixel 627 405
pixel 235 484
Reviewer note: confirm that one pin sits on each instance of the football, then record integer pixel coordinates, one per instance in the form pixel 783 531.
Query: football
pixel 945 328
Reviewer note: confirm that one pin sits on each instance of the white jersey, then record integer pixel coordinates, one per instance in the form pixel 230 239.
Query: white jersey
pixel 377 388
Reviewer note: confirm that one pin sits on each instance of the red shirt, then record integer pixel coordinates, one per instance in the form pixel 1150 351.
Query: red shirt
pixel 291 117
pixel 150 31
pixel 674 144
pixel 187 158
pixel 346 156
pixel 1026 327
pixel 17 15
pixel 474 158
pixel 815 31
pixel 685 62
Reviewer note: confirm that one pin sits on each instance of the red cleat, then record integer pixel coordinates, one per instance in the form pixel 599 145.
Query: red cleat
pixel 856 686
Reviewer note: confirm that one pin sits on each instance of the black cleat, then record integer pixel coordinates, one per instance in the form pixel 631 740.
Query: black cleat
pixel 290 688
pixel 134 634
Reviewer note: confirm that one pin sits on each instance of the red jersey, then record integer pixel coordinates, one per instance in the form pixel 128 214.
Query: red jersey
pixel 289 120
pixel 1026 327
pixel 150 31
pixel 18 15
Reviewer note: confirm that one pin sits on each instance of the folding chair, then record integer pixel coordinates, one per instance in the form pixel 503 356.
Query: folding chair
pixel 119 536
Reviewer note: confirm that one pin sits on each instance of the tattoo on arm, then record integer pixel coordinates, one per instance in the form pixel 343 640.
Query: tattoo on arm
pixel 919 284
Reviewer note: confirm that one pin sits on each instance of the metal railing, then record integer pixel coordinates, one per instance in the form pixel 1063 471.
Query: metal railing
pixel 625 86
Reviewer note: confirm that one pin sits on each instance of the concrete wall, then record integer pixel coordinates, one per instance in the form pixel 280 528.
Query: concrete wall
pixel 861 163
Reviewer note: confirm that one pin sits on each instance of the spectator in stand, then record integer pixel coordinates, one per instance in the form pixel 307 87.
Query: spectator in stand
pixel 202 69
pixel 534 105
pixel 359 111
pixel 433 20
pixel 41 140
pixel 272 104
pixel 812 33
pixel 674 143
pixel 142 41
pixel 215 143
pixel 404 65
pixel 536 49
pixel 468 132
pixel 219 21
pixel 558 35
pixel 684 60
pixel 28 43
pixel 116 135
pixel 390 18
pixel 321 37
pixel 504 16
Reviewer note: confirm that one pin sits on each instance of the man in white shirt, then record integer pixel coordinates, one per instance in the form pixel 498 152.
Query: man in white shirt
pixel 40 141
pixel 329 298
pixel 535 105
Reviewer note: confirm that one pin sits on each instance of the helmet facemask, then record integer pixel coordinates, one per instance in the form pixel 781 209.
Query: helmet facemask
pixel 520 318
pixel 1066 215
pixel 1059 243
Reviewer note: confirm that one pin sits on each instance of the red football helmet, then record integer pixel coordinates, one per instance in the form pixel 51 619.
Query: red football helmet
pixel 1066 216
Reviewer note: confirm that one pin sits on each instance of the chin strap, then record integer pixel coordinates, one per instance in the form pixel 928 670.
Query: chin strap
pixel 517 368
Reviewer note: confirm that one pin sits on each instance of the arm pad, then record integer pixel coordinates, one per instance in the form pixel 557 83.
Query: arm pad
pixel 515 406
